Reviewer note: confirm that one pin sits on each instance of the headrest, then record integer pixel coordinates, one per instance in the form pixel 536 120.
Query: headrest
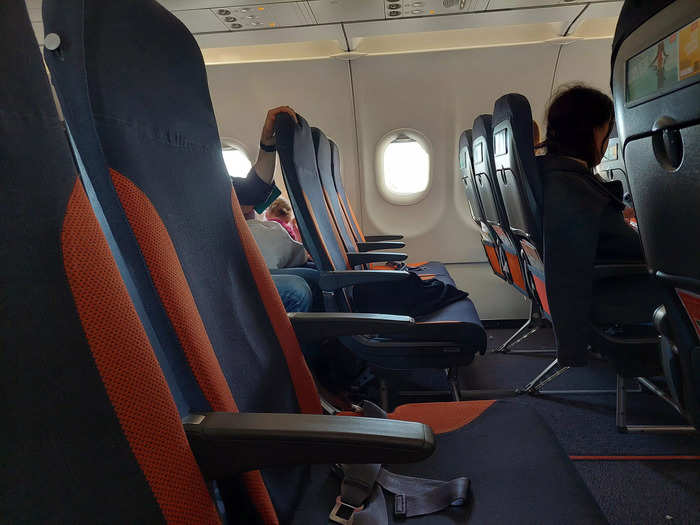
pixel 633 14
pixel 134 49
pixel 465 141
pixel 335 156
pixel 296 139
pixel 515 108
pixel 323 152
pixel 482 128
pixel 465 149
pixel 23 90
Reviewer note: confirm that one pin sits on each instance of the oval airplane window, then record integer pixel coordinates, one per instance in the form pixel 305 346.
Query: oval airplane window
pixel 403 166
pixel 236 159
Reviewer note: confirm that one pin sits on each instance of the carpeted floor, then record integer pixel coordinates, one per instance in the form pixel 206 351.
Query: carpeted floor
pixel 628 491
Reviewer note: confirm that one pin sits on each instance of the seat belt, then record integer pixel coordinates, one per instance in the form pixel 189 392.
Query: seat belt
pixel 361 500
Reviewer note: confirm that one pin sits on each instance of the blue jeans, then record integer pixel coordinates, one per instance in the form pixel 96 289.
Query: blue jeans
pixel 295 293
pixel 311 277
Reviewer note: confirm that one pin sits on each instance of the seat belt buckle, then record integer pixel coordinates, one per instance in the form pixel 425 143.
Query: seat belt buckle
pixel 400 506
pixel 342 513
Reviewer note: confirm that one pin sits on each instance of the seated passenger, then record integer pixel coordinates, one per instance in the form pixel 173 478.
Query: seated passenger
pixel 278 249
pixel 258 188
pixel 280 211
pixel 583 222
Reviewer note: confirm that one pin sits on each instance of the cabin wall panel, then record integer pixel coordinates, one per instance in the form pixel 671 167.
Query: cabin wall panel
pixel 320 90
pixel 586 61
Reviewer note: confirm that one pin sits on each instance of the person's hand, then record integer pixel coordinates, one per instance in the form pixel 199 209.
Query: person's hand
pixel 268 133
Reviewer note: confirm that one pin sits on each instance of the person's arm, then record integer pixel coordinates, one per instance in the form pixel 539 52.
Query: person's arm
pixel 264 166
pixel 258 185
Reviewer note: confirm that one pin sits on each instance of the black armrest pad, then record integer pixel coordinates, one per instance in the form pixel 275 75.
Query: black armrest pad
pixel 378 238
pixel 311 326
pixel 331 281
pixel 622 269
pixel 225 443
pixel 358 258
pixel 384 245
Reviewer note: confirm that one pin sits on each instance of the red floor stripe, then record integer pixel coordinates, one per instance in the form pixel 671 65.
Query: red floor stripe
pixel 634 458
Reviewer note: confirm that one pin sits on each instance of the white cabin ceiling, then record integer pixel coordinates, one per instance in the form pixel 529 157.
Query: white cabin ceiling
pixel 233 31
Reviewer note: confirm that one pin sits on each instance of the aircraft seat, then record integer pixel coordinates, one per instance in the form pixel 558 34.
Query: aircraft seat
pixel 94 399
pixel 324 162
pixel 657 119
pixel 633 351
pixel 489 191
pixel 489 239
pixel 446 338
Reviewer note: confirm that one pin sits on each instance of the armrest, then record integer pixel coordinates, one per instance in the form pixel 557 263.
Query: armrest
pixel 378 238
pixel 311 326
pixel 332 281
pixel 226 443
pixel 369 246
pixel 608 271
pixel 357 258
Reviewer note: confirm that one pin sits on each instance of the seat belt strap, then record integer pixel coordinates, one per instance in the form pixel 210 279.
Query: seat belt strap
pixel 361 500
pixel 419 496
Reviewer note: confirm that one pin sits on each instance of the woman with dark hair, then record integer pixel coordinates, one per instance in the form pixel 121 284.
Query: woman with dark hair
pixel 583 225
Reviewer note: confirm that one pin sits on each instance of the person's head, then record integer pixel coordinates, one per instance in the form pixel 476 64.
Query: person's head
pixel 579 122
pixel 280 209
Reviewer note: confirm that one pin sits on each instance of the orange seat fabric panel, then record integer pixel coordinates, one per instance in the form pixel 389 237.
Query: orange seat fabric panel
pixel 130 371
pixel 691 303
pixel 493 259
pixel 441 417
pixel 542 293
pixel 515 271
pixel 171 284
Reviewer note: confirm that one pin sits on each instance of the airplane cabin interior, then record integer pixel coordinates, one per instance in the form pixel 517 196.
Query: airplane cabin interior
pixel 350 261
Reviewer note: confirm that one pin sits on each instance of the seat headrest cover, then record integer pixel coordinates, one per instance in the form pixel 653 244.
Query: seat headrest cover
pixel 139 50
pixel 465 141
pixel 482 128
pixel 515 108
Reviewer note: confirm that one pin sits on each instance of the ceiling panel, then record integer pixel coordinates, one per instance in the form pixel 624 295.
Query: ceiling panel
pixel 177 5
pixel 418 8
pixel 258 16
pixel 332 11
pixel 201 21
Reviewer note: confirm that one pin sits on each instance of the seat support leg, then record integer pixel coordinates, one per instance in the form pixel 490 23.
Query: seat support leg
pixel 621 410
pixel 453 380
pixel 553 370
pixel 533 324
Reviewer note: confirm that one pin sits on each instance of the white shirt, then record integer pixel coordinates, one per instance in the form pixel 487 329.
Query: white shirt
pixel 278 249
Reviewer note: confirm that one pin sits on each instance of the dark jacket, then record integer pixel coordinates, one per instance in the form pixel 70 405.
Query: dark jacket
pixel 582 224
pixel 252 190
